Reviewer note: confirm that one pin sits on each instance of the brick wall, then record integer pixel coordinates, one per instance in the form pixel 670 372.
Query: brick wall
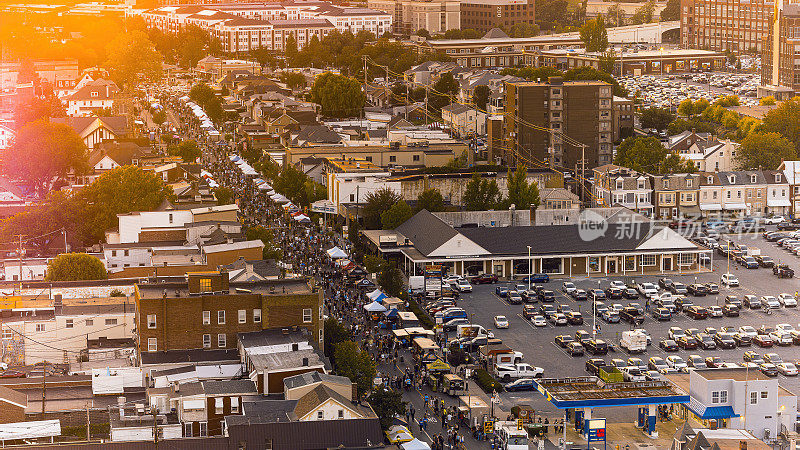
pixel 287 310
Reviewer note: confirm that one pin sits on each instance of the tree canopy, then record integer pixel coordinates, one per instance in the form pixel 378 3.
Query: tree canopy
pixel 338 95
pixel 43 153
pixel 480 96
pixel 376 203
pixel 765 151
pixel 646 154
pixel 672 11
pixel 187 150
pixel 657 118
pixel 481 194
pixel 430 199
pixel 356 364
pixel 387 404
pixel 521 194
pixel 785 120
pixel 396 215
pixel 594 35
pixel 132 58
pixel 207 99
pixel 75 267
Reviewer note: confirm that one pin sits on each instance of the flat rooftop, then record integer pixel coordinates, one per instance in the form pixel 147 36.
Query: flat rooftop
pixel 591 391
pixel 738 374
pixel 291 286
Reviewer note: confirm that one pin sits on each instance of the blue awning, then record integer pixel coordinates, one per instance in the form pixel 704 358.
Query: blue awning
pixel 710 412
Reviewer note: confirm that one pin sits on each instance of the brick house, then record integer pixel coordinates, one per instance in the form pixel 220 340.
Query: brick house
pixel 204 310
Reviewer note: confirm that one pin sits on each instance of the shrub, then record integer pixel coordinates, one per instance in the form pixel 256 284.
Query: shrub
pixel 422 315
pixel 487 382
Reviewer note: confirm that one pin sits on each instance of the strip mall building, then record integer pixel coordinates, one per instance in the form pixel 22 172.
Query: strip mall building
pixel 624 248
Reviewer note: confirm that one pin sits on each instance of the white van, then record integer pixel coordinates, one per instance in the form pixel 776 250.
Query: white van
pixel 512 438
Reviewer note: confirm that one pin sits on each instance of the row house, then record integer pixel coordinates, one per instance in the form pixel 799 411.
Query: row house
pixel 743 193
pixel 621 186
pixel 240 35
pixel 676 195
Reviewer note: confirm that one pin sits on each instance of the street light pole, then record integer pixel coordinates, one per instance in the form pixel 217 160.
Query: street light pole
pixel 594 312
pixel 530 268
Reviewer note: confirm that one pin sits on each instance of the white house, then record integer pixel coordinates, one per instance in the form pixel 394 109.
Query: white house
pixel 354 188
pixel 464 120
pixel 6 136
pixel 29 269
pixel 778 199
pixel 93 96
pixel 738 399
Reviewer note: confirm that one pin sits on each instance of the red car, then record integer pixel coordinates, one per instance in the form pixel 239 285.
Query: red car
pixel 762 340
pixel 688 343
pixel 13 374
pixel 484 278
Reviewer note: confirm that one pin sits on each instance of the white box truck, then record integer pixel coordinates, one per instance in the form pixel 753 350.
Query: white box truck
pixel 416 285
pixel 633 341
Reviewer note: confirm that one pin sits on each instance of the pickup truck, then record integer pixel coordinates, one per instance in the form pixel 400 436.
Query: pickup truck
pixel 507 372
pixel 631 315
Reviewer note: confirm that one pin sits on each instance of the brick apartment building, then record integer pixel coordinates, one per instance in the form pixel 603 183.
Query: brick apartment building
pixel 483 15
pixel 779 69
pixel 205 310
pixel 577 110
pixel 738 26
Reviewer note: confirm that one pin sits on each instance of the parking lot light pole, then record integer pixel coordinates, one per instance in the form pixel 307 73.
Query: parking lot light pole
pixel 530 268
pixel 594 312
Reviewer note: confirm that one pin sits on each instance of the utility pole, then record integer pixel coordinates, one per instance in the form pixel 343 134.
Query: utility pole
pixel 65 240
pixel 408 95
pixel 155 425
pixel 426 104
pixel 88 429
pixel 583 172
pixel 44 386
pixel 19 252
pixel 386 86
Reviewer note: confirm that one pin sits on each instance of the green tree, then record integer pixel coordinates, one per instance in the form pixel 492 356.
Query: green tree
pixel 338 95
pixel 375 204
pixel 159 117
pixel 293 79
pixel 442 94
pixel 43 152
pixel 133 59
pixel 75 267
pixel 292 183
pixel 785 120
pixel 224 195
pixel 374 264
pixel 685 108
pixel 481 194
pixel 430 199
pixel 658 118
pixel 194 45
pixel 765 151
pixel 646 154
pixel 767 101
pixel 387 404
pixel 699 106
pixel 422 32
pixel 390 279
pixel 119 191
pixel 396 215
pixel 353 363
pixel 594 35
pixel 480 96
pixel 291 49
pixel 523 30
pixel 672 11
pixel 187 150
pixel 644 14
pixel 521 194
pixel 615 16
pixel 550 14
pixel 590 73
pixel 335 334
pixel 607 61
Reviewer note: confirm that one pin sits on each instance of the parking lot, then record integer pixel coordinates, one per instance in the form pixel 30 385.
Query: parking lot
pixel 667 91
pixel 538 343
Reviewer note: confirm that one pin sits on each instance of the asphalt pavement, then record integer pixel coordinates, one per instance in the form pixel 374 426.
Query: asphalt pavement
pixel 538 344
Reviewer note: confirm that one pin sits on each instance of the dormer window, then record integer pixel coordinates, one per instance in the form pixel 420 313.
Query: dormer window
pixel 94 94
pixel 666 183
pixel 710 180
pixel 732 179
pixel 689 182
pixel 619 184
pixel 777 178
pixel 640 183
pixel 753 179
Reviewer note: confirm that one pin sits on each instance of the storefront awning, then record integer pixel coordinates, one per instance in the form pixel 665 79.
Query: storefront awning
pixel 778 203
pixel 710 207
pixel 711 412
pixel 735 206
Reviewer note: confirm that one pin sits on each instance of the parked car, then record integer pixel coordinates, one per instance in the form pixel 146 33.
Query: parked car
pixel 768 369
pixel 593 365
pixel 763 341
pixel 730 280
pixel 764 261
pixel 661 314
pixel 713 288
pixel 730 310
pixel 523 384
pixel 697 312
pixel 782 271
pixel 668 345
pixel 697 289
pixel 787 369
pixel 575 349
pixel 501 291
pixel 787 300
pixel 752 302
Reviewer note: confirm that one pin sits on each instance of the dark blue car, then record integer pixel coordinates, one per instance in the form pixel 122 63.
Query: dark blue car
pixel 523 384
pixel 537 278
pixel 501 291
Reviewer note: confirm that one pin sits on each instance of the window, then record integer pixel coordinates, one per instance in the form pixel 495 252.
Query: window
pixel 69 324
pixel 320 415
pixel 203 429
pixel 307 315
pixel 89 322
pixel 40 327
pixel 666 183
pixel 715 397
pixel 256 316
pixel 341 414
pixel 648 260
pixel 753 398
pixel 415 157
pixel 187 429
pixel 242 316
pixel 206 341
pixel 205 284
pixel 723 396
pixel 689 182
pixel 764 394
pixel 221 317
pixel 594 264
pixel 222 340
pixel 7 333
pixel 218 405
pixel 320 335
pixel 151 321
pixel 206 317
pixel 127 253
pixel 320 313
pixel 152 344
pixel 111 321
pixel 234 405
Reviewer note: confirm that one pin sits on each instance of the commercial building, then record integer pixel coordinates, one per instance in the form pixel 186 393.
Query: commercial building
pixel 737 399
pixel 640 62
pixel 484 15
pixel 622 118
pixel 558 250
pixel 596 8
pixel 781 48
pixel 721 25
pixel 61 74
pixel 410 16
pixel 558 122
pixel 206 311
pixel 385 156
